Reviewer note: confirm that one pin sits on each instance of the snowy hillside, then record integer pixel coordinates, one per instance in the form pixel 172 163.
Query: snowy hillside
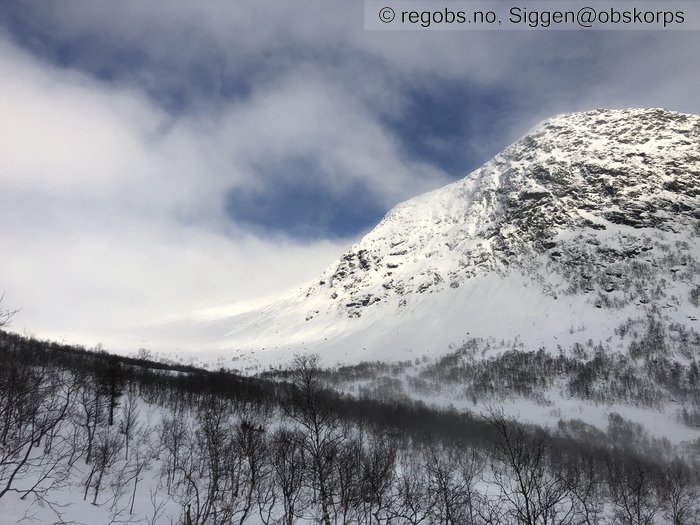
pixel 589 220
pixel 93 438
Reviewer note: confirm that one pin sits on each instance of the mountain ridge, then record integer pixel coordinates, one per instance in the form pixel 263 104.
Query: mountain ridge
pixel 590 217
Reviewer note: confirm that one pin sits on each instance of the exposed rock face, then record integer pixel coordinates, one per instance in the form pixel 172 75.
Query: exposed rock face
pixel 593 192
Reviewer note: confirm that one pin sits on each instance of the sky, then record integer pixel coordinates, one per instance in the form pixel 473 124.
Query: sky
pixel 161 158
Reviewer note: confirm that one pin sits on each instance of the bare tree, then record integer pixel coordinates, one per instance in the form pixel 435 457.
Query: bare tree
pixel 632 487
pixel 378 477
pixel 140 460
pixel 346 481
pixel 312 409
pixel 413 501
pixel 157 505
pixel 288 460
pixel 34 403
pixel 213 433
pixel 173 436
pixel 187 473
pixel 534 493
pixel 107 447
pixel 132 469
pixel 250 441
pixel 586 483
pixel 267 494
pixel 453 473
pixel 470 467
pixel 5 314
pixel 128 425
pixel 90 412
pixel 679 497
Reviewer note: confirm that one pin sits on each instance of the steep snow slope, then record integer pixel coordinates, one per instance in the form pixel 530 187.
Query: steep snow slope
pixel 590 219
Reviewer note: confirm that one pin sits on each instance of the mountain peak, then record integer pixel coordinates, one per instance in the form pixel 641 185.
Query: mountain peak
pixel 589 216
pixel 590 170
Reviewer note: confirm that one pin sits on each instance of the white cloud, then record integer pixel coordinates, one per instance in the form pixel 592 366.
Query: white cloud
pixel 113 212
pixel 307 115
pixel 115 208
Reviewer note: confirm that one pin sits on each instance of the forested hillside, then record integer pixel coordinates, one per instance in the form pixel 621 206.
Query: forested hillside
pixel 90 437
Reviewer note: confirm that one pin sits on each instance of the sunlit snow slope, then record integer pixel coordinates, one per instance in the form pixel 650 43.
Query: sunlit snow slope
pixel 590 219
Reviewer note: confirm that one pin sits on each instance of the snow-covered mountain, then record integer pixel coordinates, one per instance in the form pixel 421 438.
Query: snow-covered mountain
pixel 581 238
pixel 589 220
